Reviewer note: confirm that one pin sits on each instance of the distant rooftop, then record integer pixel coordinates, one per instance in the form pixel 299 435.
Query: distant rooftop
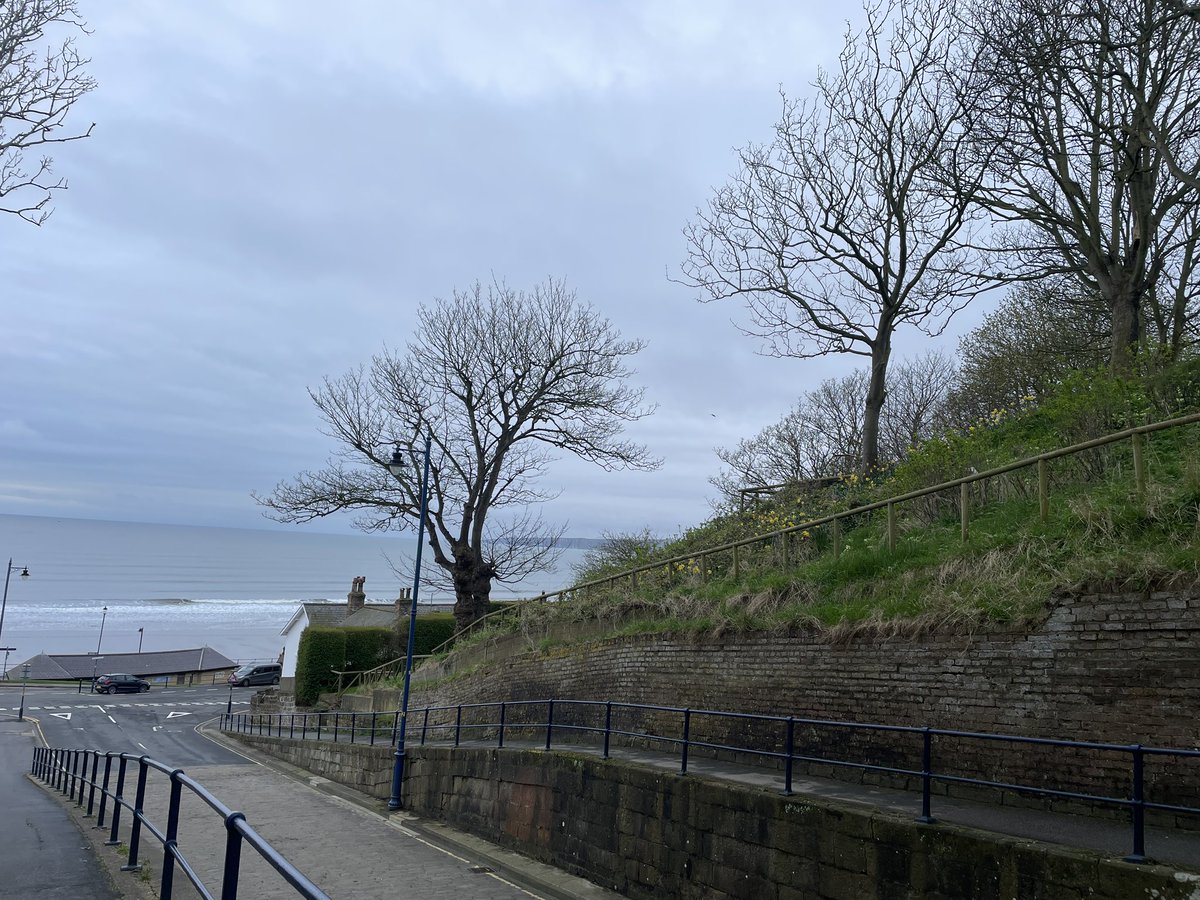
pixel 72 666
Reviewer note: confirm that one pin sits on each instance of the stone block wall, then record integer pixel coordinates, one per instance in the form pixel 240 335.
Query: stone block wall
pixel 360 766
pixel 1119 668
pixel 649 834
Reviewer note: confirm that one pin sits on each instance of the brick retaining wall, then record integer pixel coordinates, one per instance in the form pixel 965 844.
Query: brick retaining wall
pixel 1121 668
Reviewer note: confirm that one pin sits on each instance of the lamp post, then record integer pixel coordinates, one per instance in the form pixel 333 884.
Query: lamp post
pixel 141 634
pixel 103 616
pixel 92 690
pixel 396 466
pixel 4 603
pixel 24 681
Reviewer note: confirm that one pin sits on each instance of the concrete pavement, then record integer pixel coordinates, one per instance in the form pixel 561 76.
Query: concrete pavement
pixel 45 855
pixel 337 839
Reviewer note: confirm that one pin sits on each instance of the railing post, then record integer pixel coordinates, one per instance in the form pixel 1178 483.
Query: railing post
pixel 118 799
pixel 336 722
pixel 789 749
pixel 687 734
pixel 457 724
pixel 172 838
pixel 549 722
pixel 292 727
pixel 502 709
pixel 135 827
pixel 633 580
pixel 704 568
pixel 891 527
pixel 92 783
pixel 1138 808
pixel 607 725
pixel 1139 464
pixel 926 776
pixel 1043 490
pixel 233 856
pixel 964 511
pixel 353 725
pixel 104 790
pixel 424 725
pixel 373 715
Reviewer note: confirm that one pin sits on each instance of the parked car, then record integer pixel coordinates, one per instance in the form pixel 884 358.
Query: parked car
pixel 112 684
pixel 260 673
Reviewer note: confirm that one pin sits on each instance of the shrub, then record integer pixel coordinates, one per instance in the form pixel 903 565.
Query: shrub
pixel 322 649
pixel 433 629
pixel 368 647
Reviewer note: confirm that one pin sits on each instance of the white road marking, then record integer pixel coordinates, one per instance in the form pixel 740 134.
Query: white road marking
pixel 66 716
pixel 143 746
pixel 172 715
pixel 111 719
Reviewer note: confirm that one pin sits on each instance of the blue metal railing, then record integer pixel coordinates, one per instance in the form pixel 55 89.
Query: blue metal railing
pixel 776 744
pixel 66 770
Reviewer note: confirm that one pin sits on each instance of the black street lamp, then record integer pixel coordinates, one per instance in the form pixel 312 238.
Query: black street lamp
pixel 141 634
pixel 95 660
pixel 4 603
pixel 24 681
pixel 103 616
pixel 396 467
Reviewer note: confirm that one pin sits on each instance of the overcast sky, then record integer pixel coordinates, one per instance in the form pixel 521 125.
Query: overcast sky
pixel 272 187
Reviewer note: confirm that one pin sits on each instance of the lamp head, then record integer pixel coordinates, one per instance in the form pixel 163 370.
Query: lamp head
pixel 398 463
pixel 24 571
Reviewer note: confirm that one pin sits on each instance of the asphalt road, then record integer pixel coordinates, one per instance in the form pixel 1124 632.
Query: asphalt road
pixel 160 723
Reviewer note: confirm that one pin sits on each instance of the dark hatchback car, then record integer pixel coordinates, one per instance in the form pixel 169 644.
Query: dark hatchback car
pixel 112 684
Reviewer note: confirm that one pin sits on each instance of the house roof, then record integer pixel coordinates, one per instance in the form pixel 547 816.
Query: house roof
pixel 64 666
pixel 324 612
pixel 371 616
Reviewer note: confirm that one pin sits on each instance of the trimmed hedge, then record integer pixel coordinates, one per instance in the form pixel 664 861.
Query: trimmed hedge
pixel 368 647
pixel 433 629
pixel 322 649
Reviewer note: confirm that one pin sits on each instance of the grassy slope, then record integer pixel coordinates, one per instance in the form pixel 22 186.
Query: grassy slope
pixel 1100 533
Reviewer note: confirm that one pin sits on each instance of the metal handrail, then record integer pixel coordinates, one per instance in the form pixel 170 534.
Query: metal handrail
pixel 1135 433
pixel 67 770
pixel 360 675
pixel 683 741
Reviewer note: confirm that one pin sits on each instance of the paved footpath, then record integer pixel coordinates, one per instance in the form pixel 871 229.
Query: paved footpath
pixel 43 853
pixel 345 848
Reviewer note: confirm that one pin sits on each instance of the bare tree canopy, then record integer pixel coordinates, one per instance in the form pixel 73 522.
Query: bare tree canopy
pixel 1090 113
pixel 843 229
pixel 499 380
pixel 39 83
pixel 821 436
pixel 1040 332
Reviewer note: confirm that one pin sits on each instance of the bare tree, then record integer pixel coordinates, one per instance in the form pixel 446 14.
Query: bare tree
pixel 39 83
pixel 499 379
pixel 1089 111
pixel 1040 333
pixel 821 436
pixel 843 229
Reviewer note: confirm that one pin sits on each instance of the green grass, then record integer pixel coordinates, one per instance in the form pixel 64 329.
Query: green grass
pixel 1100 534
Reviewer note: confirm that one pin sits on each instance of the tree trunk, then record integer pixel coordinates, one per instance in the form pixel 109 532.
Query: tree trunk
pixel 1125 303
pixel 472 586
pixel 876 394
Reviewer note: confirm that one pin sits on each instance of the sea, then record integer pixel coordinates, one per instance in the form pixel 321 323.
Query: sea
pixel 97 586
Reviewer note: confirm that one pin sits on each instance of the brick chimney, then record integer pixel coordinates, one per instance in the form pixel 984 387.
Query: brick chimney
pixel 357 596
pixel 403 602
